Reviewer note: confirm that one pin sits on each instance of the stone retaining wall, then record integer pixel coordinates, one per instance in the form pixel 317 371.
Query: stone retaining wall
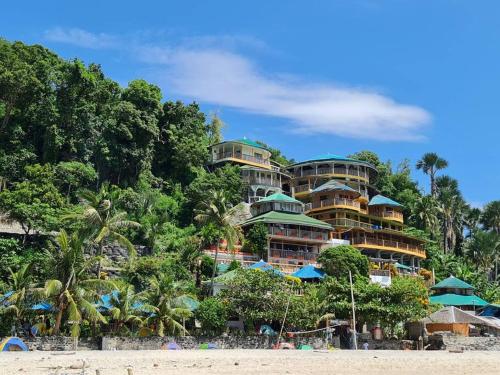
pixel 223 342
pixel 454 342
pixel 61 343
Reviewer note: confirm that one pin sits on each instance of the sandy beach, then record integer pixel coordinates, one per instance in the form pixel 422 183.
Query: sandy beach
pixel 187 362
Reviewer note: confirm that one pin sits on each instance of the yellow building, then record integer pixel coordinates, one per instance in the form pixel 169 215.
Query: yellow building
pixel 339 191
pixel 261 175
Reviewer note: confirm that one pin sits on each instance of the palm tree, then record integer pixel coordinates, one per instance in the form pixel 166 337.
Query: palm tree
pixel 491 216
pixel 69 290
pixel 19 286
pixel 102 223
pixel 430 164
pixel 425 214
pixel 483 248
pixel 472 220
pixel 125 308
pixel 452 208
pixel 167 302
pixel 216 210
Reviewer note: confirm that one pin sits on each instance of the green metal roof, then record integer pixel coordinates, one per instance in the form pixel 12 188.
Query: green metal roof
pixel 287 218
pixel 249 142
pixel 402 266
pixel 279 197
pixel 452 283
pixel 457 300
pixel 243 141
pixel 328 156
pixel 333 185
pixel 380 200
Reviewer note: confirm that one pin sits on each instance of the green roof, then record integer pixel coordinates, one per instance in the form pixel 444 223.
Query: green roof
pixel 452 283
pixel 328 156
pixel 380 200
pixel 226 277
pixel 249 142
pixel 333 185
pixel 287 218
pixel 279 197
pixel 457 300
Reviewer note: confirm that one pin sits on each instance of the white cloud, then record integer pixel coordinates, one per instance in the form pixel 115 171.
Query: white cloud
pixel 221 76
pixel 81 38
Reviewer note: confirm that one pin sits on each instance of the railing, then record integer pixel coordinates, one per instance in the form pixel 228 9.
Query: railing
pixel 301 188
pixel 262 181
pixel 225 155
pixel 380 273
pixel 389 243
pixel 336 202
pixel 336 170
pixel 298 233
pixel 393 215
pixel 291 254
pixel 340 222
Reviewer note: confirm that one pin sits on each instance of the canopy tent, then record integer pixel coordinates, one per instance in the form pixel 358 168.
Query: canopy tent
pixel 264 266
pixel 309 272
pixel 457 300
pixel 12 344
pixel 452 314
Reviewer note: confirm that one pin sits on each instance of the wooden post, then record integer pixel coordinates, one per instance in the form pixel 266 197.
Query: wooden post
pixel 355 339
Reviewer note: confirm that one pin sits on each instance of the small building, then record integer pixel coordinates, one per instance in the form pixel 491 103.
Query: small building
pixel 455 292
pixel 259 173
pixel 294 239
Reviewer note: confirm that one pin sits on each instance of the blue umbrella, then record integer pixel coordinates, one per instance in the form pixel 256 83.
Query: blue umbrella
pixel 264 266
pixel 309 272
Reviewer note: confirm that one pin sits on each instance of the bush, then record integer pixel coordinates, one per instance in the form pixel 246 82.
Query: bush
pixel 338 261
pixel 212 315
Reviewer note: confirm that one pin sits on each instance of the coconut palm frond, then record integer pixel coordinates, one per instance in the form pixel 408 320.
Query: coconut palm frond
pixel 53 287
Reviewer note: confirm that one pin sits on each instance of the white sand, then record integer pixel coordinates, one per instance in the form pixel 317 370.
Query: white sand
pixel 262 362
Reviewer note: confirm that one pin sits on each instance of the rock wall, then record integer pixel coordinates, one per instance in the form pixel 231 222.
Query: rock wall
pixel 456 342
pixel 223 342
pixel 60 343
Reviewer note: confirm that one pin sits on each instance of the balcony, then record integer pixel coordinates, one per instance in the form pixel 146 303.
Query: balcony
pixel 334 171
pixel 290 254
pixel 394 215
pixel 299 234
pixel 236 155
pixel 302 188
pixel 336 202
pixel 262 181
pixel 350 223
pixel 381 244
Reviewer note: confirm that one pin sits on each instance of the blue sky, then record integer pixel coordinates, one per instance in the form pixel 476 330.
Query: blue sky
pixel 398 77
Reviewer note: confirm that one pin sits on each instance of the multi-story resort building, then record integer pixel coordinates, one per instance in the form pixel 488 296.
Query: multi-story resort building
pixel 340 191
pixel 262 176
pixel 293 239
pixel 330 200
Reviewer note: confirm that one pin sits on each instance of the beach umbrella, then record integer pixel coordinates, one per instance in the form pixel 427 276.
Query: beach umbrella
pixel 309 272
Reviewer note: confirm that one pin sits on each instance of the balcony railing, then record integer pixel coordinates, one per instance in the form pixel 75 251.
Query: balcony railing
pixel 251 158
pixel 298 233
pixel 336 170
pixel 390 244
pixel 301 188
pixel 262 181
pixel 393 215
pixel 336 202
pixel 340 222
pixel 291 254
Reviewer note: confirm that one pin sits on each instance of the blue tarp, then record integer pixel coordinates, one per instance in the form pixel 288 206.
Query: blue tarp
pixel 492 310
pixel 5 297
pixel 105 302
pixel 309 272
pixel 43 306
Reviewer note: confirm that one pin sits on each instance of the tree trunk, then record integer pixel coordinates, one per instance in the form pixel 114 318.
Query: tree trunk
pixel 215 268
pixel 99 265
pixel 6 118
pixel 433 184
pixel 57 325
